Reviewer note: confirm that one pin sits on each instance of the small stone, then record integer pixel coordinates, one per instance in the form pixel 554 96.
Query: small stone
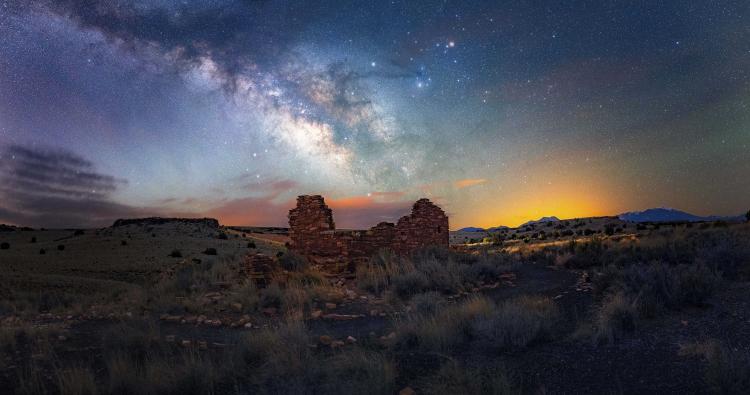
pixel 62 338
pixel 325 340
pixel 351 339
pixel 249 325
pixel 337 344
pixel 269 311
pixel 186 343
pixel 236 306
pixel 169 338
pixel 342 317
pixel 330 306
pixel 202 345
pixel 407 391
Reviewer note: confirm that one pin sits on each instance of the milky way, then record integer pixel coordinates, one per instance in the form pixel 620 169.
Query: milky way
pixel 500 112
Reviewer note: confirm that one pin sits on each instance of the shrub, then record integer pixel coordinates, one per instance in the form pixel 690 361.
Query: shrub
pixel 76 381
pixel 293 262
pixel 4 246
pixel 175 253
pixel 42 251
pixel 78 232
pixel 271 296
pixel 138 339
pixel 656 287
pixel 727 371
pixel 616 317
pixel 372 278
pixel 444 330
pixel 223 236
pixel 408 284
pixel 251 244
pixel 358 372
pixel 33 240
pixel 60 247
pixel 426 303
pixel 210 251
pixel 123 242
pixel 517 323
pixel 453 378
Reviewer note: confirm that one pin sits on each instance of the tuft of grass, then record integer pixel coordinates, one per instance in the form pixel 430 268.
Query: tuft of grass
pixel 444 330
pixel 517 323
pixel 727 370
pixel 272 296
pixel 616 317
pixel 30 381
pixel 76 381
pixel 293 262
pixel 358 372
pixel 452 378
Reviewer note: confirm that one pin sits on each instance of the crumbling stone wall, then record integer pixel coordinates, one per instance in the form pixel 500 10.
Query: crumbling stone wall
pixel 426 225
pixel 313 233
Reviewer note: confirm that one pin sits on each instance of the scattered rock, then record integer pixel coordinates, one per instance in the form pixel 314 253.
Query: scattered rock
pixel 351 339
pixel 316 314
pixel 169 338
pixel 330 306
pixel 342 317
pixel 186 343
pixel 202 345
pixel 325 340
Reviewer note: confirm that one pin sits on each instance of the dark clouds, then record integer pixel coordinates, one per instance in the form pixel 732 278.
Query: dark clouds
pixel 55 188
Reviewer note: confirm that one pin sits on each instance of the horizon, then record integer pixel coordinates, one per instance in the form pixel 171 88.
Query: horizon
pixel 499 113
pixel 350 216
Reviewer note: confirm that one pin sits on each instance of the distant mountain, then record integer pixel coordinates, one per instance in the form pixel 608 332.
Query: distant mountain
pixel 497 228
pixel 472 229
pixel 670 215
pixel 540 221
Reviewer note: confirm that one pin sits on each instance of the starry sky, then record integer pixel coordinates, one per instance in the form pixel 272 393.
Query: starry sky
pixel 499 111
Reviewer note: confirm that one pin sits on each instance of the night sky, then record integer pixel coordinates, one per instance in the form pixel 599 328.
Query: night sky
pixel 499 111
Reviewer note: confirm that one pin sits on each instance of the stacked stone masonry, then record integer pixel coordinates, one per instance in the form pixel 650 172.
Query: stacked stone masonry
pixel 313 233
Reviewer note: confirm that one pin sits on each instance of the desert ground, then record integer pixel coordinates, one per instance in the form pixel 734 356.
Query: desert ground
pixel 578 306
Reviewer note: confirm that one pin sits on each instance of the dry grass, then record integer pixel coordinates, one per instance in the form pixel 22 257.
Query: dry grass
pixel 727 370
pixel 617 316
pixel 76 381
pixel 452 378
pixel 518 323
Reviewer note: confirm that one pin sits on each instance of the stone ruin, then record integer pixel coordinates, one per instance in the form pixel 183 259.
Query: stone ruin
pixel 313 233
pixel 260 268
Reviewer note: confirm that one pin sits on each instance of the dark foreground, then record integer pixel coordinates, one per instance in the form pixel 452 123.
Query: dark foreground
pixel 664 311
